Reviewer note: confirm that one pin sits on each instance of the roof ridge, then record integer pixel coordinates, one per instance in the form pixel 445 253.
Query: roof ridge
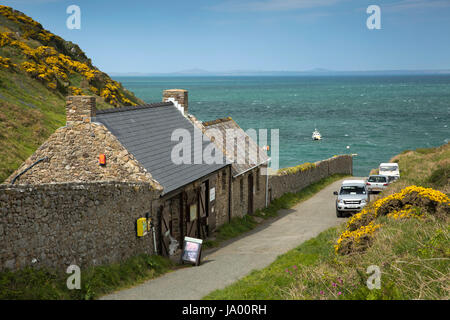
pixel 144 106
pixel 213 122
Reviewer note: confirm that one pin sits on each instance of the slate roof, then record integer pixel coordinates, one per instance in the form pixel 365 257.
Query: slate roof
pixel 254 155
pixel 146 131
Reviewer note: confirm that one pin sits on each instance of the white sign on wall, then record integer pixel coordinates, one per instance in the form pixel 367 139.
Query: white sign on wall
pixel 212 194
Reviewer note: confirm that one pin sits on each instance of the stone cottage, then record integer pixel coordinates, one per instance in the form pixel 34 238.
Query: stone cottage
pixel 136 144
pixel 249 179
pixel 77 199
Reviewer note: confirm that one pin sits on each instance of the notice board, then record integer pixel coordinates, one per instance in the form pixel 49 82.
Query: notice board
pixel 192 250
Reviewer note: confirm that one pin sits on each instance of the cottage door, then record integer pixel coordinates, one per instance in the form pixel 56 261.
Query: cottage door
pixel 204 209
pixel 165 227
pixel 211 200
pixel 192 219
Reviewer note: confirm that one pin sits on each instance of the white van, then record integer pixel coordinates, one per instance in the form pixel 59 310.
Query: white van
pixel 390 170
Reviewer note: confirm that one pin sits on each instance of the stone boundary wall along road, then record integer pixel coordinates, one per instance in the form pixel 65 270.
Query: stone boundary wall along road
pixel 85 224
pixel 296 178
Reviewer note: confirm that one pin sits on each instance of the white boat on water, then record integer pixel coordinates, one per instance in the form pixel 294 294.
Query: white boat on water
pixel 316 135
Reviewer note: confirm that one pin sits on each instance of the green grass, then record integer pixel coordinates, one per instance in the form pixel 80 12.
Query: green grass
pixel 413 257
pixel 44 284
pixel 412 254
pixel 440 176
pixel 425 150
pixel 40 284
pixel 28 115
pixel 29 111
pixel 238 226
pixel 426 167
pixel 269 283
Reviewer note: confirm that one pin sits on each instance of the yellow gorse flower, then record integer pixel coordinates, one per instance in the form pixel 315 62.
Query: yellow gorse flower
pixel 430 193
pixel 302 167
pixel 363 231
pixel 49 66
pixel 370 213
pixel 406 213
pixel 6 63
pixel 75 91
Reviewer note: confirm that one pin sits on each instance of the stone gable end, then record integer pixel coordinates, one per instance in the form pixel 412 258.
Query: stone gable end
pixel 73 156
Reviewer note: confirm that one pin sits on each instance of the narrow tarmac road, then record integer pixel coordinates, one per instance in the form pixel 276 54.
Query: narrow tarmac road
pixel 234 260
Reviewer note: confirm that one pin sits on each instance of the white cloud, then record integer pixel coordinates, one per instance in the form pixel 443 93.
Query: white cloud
pixel 272 5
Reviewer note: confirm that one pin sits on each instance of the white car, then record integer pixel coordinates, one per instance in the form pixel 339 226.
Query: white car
pixel 352 197
pixel 390 170
pixel 377 183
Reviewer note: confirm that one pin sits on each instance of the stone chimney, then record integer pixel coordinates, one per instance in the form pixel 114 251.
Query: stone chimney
pixel 179 97
pixel 80 109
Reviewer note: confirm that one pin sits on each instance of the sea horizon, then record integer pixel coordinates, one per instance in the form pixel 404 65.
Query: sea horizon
pixel 377 116
pixel 271 73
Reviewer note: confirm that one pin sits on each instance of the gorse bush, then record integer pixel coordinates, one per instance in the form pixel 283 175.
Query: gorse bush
pixel 357 240
pixel 300 168
pixel 405 233
pixel 411 202
pixel 6 63
pixel 54 62
pixel 37 71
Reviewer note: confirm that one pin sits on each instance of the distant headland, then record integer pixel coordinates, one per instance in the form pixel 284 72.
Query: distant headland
pixel 312 72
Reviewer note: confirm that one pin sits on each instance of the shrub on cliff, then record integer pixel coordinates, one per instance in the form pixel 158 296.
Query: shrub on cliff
pixel 38 69
pixel 411 202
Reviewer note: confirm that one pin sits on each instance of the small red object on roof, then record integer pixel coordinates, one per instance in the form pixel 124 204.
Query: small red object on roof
pixel 102 159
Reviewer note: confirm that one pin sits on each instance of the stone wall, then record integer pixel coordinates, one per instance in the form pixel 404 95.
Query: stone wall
pixel 260 191
pixel 80 109
pixel 240 205
pixel 93 223
pixel 175 205
pixel 281 183
pixel 179 97
pixel 61 224
pixel 238 197
pixel 222 202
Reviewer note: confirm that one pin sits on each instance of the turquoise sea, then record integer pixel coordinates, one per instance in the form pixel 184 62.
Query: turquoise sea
pixel 377 116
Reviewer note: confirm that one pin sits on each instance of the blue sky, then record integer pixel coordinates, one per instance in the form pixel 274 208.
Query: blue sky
pixel 222 35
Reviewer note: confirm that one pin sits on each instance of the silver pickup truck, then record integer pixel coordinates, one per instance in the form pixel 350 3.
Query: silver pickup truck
pixel 352 197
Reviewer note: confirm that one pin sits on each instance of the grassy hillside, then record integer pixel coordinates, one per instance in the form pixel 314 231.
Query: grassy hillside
pixel 37 71
pixel 406 233
pixel 428 167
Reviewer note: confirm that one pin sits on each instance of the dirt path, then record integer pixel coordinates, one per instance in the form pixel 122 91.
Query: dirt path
pixel 254 250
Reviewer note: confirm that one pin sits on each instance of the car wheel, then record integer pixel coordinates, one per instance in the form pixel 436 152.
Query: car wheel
pixel 338 213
